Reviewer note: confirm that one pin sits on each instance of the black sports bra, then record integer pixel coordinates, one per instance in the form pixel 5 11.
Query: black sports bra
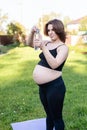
pixel 44 63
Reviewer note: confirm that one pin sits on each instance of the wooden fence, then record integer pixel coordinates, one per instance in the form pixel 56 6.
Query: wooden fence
pixel 6 39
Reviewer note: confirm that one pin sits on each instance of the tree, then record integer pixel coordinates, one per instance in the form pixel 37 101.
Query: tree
pixel 3 19
pixel 12 29
pixel 83 24
pixel 45 18
pixel 66 20
pixel 17 30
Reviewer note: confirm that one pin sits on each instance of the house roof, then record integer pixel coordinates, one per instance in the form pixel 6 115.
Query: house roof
pixel 77 21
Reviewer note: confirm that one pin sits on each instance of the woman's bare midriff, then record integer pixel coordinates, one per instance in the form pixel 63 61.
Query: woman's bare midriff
pixel 43 75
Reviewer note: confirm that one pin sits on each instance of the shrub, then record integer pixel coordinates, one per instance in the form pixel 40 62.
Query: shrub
pixel 3 49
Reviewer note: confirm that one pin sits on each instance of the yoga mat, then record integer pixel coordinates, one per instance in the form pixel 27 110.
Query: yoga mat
pixel 36 124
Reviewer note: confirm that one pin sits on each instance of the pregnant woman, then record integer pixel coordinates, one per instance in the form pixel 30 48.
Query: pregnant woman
pixel 48 72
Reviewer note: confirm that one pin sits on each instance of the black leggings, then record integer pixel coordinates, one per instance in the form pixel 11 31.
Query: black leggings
pixel 52 97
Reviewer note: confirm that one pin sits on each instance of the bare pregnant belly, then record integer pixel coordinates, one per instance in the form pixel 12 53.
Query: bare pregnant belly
pixel 43 75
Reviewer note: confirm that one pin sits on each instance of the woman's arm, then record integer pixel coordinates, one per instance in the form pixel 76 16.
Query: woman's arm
pixel 54 62
pixel 30 39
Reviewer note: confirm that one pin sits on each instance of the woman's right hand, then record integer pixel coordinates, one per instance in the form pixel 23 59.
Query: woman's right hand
pixel 37 40
pixel 34 29
pixel 30 38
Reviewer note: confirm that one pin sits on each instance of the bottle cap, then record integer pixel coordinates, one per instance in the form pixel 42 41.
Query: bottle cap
pixel 37 31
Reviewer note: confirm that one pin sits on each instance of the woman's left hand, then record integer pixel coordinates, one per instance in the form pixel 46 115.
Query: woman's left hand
pixel 44 44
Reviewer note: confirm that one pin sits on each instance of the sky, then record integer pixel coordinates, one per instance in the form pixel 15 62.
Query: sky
pixel 28 12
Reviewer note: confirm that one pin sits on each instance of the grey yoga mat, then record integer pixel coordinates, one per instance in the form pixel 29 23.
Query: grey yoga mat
pixel 35 124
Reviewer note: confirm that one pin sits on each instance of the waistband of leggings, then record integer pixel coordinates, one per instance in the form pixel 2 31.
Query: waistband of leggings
pixel 51 82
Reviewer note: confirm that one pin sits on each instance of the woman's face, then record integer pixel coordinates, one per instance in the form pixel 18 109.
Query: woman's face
pixel 51 33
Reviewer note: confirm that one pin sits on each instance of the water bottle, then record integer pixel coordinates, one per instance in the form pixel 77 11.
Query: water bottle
pixel 36 36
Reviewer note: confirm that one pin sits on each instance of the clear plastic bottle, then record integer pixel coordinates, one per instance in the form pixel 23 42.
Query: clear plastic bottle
pixel 36 36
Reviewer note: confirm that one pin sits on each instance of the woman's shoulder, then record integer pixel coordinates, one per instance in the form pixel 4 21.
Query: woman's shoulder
pixel 63 48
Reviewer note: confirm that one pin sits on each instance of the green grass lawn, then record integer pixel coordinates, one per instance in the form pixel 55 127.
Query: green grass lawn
pixel 19 98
